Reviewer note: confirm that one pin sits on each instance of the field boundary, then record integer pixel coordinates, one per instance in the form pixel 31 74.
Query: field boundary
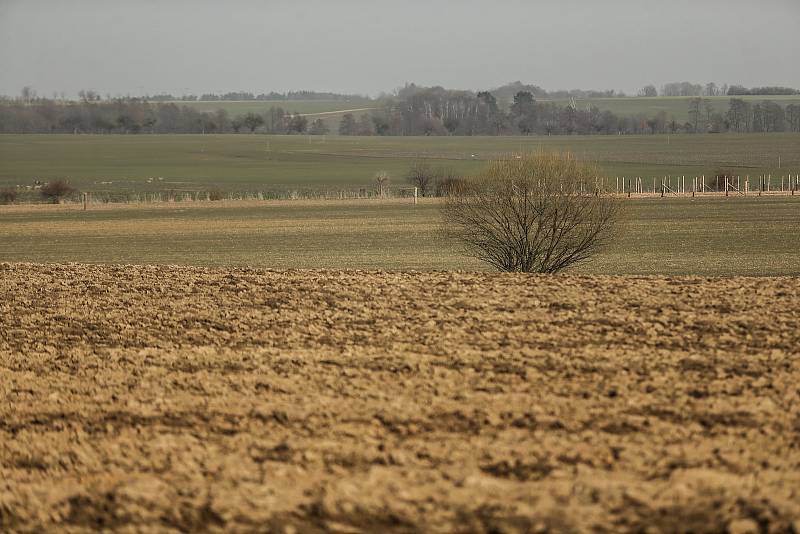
pixel 249 201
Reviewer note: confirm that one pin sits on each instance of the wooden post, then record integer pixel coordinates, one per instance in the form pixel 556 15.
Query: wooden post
pixel 415 196
pixel 85 200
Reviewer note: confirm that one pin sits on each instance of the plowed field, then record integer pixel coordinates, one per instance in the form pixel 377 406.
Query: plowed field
pixel 184 399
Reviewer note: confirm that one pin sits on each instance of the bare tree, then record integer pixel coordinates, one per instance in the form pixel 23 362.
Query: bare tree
pixel 318 127
pixel 55 190
pixel 252 121
pixel 382 183
pixel 535 213
pixel 694 112
pixel 648 90
pixel 421 175
pixel 8 195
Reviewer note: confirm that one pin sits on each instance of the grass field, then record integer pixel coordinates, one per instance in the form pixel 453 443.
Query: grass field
pixel 260 163
pixel 309 107
pixel 675 107
pixel 330 111
pixel 710 236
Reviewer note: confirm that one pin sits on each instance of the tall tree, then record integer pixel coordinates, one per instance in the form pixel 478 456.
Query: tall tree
pixel 648 90
pixel 318 127
pixel 524 111
pixel 252 121
pixel 347 126
pixel 694 112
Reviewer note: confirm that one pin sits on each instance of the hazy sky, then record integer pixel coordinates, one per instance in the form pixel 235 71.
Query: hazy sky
pixel 360 46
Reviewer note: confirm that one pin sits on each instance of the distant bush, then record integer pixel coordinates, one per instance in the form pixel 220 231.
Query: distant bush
pixel 449 184
pixel 55 190
pixel 8 196
pixel 382 179
pixel 421 175
pixel 216 194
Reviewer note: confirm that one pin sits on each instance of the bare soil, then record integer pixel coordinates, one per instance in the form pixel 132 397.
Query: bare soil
pixel 139 399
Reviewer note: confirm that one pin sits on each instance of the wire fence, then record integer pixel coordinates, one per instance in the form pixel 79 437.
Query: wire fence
pixel 623 186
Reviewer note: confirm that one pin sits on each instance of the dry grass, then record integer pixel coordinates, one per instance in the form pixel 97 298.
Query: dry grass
pixel 675 236
pixel 165 398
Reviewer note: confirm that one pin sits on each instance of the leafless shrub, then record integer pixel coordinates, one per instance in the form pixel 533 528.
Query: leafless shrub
pixel 8 195
pixel 55 190
pixel 216 194
pixel 382 183
pixel 531 213
pixel 448 183
pixel 422 176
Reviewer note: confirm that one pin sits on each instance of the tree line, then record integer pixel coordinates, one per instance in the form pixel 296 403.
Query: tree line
pixel 437 111
pixel 247 96
pixel 138 116
pixel 412 111
pixel 712 89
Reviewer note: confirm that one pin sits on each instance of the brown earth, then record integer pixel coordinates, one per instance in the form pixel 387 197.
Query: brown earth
pixel 143 399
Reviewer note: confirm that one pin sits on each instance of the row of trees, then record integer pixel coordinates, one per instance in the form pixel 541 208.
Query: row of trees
pixel 139 116
pixel 437 111
pixel 431 111
pixel 244 95
pixel 28 94
pixel 712 89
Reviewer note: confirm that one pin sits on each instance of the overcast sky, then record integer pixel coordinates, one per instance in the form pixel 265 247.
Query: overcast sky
pixel 367 46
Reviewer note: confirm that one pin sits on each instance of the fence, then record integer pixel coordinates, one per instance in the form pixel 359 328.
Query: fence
pixel 698 185
pixel 637 186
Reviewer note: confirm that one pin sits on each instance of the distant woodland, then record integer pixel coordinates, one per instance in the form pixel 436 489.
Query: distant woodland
pixel 514 109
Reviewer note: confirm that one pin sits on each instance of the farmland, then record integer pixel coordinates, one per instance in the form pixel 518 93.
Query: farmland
pixel 184 399
pixel 121 165
pixel 675 107
pixel 702 236
pixel 305 107
pixel 341 366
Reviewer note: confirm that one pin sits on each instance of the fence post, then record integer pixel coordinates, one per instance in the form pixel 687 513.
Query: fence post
pixel 85 200
pixel 415 196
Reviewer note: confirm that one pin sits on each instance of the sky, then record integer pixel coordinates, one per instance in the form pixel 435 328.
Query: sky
pixel 141 47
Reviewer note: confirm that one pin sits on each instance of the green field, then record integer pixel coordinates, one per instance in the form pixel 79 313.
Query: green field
pixel 709 236
pixel 245 162
pixel 676 107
